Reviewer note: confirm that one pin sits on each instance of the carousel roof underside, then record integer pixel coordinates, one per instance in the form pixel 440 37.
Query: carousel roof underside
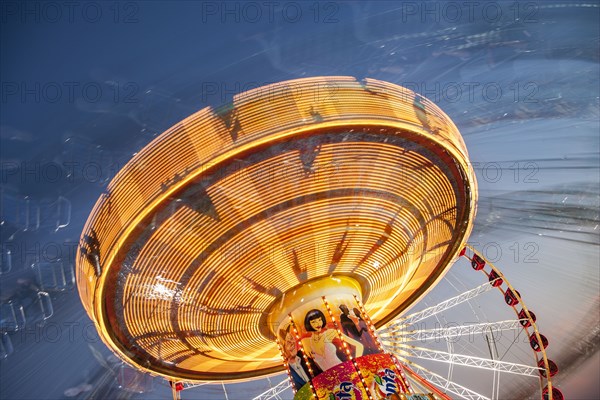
pixel 215 220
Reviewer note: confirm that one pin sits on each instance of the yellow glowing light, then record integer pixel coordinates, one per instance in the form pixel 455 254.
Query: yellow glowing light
pixel 221 218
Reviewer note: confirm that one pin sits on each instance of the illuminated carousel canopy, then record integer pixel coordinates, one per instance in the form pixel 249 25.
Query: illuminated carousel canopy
pixel 206 229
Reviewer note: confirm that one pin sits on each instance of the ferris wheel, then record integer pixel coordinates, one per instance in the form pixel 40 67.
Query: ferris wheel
pixel 442 347
pixel 293 230
pixel 439 353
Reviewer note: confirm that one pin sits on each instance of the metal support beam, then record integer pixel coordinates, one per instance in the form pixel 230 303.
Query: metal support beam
pixel 468 361
pixel 274 391
pixel 430 311
pixel 447 385
pixel 399 334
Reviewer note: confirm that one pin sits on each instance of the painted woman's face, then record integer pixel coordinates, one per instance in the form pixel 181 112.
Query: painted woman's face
pixel 316 323
pixel 290 344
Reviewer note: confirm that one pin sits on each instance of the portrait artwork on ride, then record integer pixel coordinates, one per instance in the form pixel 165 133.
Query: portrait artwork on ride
pixel 330 349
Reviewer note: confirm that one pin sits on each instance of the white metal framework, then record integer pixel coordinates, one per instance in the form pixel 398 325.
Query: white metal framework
pixel 462 359
pixel 275 391
pixel 446 385
pixel 433 310
pixel 448 332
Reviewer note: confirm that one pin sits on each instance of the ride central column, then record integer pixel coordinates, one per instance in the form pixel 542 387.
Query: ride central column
pixel 328 344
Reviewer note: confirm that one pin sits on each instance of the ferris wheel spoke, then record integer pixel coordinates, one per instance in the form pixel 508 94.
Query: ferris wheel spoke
pixel 399 334
pixel 274 391
pixel 433 310
pixel 465 360
pixel 443 383
pixel 224 391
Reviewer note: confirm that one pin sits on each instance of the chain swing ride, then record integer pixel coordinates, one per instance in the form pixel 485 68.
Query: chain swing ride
pixel 292 230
